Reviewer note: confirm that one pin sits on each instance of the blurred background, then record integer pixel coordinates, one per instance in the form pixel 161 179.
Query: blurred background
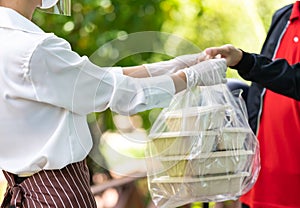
pixel 204 23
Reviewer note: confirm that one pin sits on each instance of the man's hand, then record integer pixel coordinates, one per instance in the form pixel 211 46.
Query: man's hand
pixel 232 55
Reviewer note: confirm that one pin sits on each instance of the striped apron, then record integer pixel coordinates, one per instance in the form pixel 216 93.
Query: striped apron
pixel 68 187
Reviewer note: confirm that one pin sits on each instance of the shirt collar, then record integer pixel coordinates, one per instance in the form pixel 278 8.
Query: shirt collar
pixel 295 11
pixel 9 18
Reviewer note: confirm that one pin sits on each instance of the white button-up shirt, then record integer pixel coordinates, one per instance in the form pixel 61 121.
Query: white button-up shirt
pixel 46 92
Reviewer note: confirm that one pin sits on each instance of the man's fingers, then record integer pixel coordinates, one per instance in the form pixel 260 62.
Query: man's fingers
pixel 224 51
pixel 229 52
pixel 203 57
pixel 213 51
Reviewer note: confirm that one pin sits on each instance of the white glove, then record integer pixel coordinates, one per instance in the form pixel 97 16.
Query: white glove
pixel 173 65
pixel 210 72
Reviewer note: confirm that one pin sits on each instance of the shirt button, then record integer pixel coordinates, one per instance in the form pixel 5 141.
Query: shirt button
pixel 296 39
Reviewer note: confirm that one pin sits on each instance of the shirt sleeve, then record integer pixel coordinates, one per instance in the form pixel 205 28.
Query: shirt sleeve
pixel 62 78
pixel 276 75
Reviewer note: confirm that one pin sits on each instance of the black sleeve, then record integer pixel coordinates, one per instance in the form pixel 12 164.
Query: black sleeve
pixel 277 75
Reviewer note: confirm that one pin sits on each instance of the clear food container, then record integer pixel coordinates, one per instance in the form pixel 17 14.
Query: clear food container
pixel 233 138
pixel 207 163
pixel 201 118
pixel 189 188
pixel 182 143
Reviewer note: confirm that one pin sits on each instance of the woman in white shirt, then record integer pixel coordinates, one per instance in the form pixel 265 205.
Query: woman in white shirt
pixel 46 92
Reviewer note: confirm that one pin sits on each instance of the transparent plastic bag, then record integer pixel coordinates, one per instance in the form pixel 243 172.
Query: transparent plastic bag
pixel 201 148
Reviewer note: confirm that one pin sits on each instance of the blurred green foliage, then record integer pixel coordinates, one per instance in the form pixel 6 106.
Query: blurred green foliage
pixel 203 22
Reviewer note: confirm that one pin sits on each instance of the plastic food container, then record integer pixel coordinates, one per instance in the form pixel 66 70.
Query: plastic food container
pixel 205 164
pixel 232 138
pixel 186 187
pixel 196 118
pixel 183 143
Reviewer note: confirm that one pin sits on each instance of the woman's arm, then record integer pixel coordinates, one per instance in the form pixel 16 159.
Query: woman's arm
pixel 178 78
pixel 167 67
pixel 136 71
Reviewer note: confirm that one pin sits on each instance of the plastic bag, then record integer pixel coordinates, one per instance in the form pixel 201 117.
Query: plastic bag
pixel 201 148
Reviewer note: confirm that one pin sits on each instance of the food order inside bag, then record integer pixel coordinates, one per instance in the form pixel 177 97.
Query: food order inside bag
pixel 201 148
